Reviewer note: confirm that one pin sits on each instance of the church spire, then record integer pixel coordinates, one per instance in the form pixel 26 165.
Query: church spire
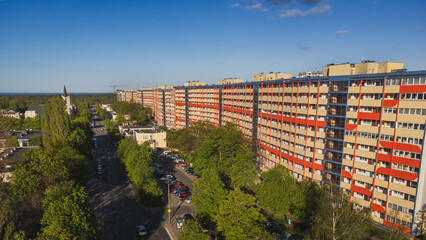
pixel 65 92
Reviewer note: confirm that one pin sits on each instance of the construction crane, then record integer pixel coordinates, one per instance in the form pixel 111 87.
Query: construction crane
pixel 114 86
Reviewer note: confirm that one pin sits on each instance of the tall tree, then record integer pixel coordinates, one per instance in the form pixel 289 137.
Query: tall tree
pixel 421 221
pixel 192 231
pixel 55 122
pixel 338 219
pixel 67 215
pixel 209 192
pixel 306 202
pixel 239 218
pixel 277 191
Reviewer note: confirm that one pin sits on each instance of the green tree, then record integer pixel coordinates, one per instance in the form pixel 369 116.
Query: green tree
pixel 277 191
pixel 55 122
pixel 192 230
pixel 239 218
pixel 337 218
pixel 13 142
pixel 37 171
pixel 77 165
pixel 421 221
pixel 67 215
pixel 306 201
pixel 209 192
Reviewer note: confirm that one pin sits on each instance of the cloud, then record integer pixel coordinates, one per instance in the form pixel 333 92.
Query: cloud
pixel 337 33
pixel 305 47
pixel 323 7
pixel 292 2
pixel 257 7
pixel 285 8
pixel 234 5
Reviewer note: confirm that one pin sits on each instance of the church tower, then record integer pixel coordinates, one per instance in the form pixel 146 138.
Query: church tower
pixel 68 106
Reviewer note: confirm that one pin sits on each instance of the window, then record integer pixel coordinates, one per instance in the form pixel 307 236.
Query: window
pixel 406 154
pixel 389 110
pixel 411 126
pixel 412 111
pixel 414 81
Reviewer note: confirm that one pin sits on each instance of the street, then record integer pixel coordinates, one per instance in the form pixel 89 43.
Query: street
pixel 115 201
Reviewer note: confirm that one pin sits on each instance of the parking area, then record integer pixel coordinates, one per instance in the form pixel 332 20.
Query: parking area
pixel 175 178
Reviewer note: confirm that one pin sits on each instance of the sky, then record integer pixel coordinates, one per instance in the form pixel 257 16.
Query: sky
pixel 89 45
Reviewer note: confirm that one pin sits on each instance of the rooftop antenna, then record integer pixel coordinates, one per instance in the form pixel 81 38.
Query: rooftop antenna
pixel 114 86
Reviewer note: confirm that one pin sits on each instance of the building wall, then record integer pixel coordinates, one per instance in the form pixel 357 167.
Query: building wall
pixel 237 107
pixel 156 140
pixel 363 133
pixel 270 76
pixel 366 67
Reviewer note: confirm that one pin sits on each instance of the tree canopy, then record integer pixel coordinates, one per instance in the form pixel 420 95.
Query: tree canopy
pixel 67 215
pixel 239 218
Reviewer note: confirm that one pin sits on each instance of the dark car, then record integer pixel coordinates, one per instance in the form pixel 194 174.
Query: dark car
pixel 141 230
pixel 187 217
pixel 295 237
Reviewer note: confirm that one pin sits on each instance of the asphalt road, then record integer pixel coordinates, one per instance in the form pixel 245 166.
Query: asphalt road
pixel 114 200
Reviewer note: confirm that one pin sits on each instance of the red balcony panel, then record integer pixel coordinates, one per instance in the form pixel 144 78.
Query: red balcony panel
pixel 407 147
pixel 386 144
pixel 180 103
pixel 376 207
pixel 396 226
pixel 350 126
pixel 180 119
pixel 390 103
pixel 321 123
pixel 384 157
pixel 301 121
pixel 361 190
pixel 346 174
pixel 403 175
pixel 406 161
pixel 370 116
pixel 413 89
pixel 383 170
pixel 308 164
pixel 318 166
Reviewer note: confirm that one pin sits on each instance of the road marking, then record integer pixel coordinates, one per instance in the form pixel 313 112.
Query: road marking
pixel 170 234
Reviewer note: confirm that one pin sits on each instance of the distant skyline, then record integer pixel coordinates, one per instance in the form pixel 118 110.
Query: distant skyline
pixel 90 45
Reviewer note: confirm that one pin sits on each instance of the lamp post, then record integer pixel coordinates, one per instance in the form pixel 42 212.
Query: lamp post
pixel 168 199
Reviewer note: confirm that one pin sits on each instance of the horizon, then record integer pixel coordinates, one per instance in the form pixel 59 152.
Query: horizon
pixel 92 45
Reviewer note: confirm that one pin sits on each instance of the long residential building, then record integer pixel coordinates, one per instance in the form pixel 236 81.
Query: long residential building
pixel 363 133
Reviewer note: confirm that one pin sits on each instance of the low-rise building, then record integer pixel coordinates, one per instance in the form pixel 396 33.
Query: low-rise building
pixel 33 111
pixel 155 137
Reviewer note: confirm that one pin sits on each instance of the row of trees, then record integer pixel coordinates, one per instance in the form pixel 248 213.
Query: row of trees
pixel 137 160
pixel 20 124
pixel 110 126
pixel 21 102
pixel 226 195
pixel 46 199
pixel 134 112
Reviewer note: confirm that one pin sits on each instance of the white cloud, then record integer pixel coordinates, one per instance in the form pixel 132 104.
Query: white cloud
pixel 257 7
pixel 234 5
pixel 337 33
pixel 323 7
pixel 285 8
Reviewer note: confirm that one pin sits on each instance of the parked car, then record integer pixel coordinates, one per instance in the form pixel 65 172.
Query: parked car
pixel 183 195
pixel 187 217
pixel 141 230
pixel 188 199
pixel 189 171
pixel 295 237
pixel 172 188
pixel 182 165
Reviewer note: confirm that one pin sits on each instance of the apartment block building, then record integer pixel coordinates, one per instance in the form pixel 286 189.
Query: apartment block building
pixel 365 67
pixel 163 106
pixel 363 133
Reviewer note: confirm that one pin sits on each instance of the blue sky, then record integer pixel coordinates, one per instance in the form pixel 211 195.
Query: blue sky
pixel 90 45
